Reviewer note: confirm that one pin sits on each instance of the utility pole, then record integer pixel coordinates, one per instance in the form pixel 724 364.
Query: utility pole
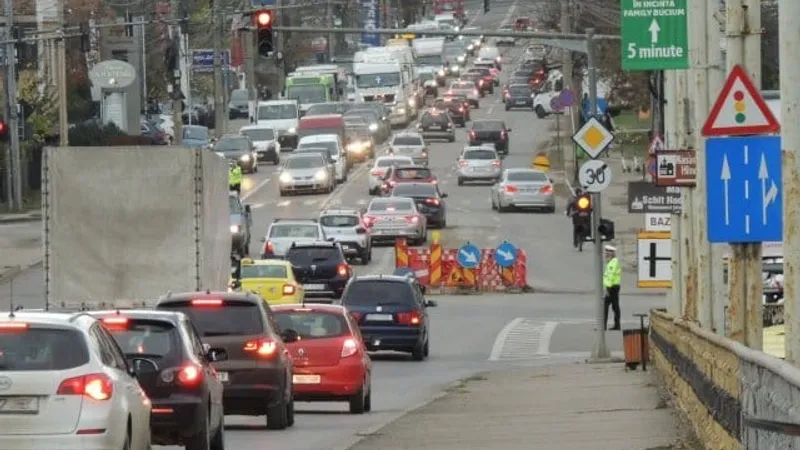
pixel 566 65
pixel 789 42
pixel 12 113
pixel 63 119
pixel 249 36
pixel 177 103
pixel 219 101
pixel 600 350
pixel 688 294
pixel 671 118
pixel 331 46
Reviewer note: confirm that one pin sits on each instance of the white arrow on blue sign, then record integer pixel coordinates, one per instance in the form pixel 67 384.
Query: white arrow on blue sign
pixel 505 255
pixel 469 256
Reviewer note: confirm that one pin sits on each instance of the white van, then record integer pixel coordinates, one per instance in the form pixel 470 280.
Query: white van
pixel 331 142
pixel 283 116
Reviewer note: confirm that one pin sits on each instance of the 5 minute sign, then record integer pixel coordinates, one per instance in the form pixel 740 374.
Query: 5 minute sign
pixel 654 35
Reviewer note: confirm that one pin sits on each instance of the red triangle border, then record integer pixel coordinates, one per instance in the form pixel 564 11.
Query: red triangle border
pixel 739 73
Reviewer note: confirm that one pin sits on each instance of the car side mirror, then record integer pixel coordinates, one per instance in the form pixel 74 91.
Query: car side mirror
pixel 431 304
pixel 445 195
pixel 248 209
pixel 216 355
pixel 288 336
pixel 330 239
pixel 551 180
pixel 263 239
pixel 361 230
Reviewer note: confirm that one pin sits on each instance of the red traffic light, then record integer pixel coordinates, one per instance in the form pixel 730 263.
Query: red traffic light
pixel 2 127
pixel 264 19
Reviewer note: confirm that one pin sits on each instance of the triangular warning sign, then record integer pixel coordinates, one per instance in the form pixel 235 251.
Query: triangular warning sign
pixel 656 145
pixel 740 109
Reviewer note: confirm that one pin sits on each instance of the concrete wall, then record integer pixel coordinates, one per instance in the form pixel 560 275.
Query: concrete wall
pixel 718 384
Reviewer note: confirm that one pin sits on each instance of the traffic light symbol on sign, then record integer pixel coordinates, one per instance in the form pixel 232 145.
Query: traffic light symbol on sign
pixel 584 203
pixel 739 106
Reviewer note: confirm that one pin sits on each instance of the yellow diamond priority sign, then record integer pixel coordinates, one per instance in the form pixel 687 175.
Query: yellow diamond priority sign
pixel 593 137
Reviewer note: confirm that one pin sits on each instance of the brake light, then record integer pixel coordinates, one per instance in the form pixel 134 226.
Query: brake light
pixel 97 386
pixel 432 201
pixel 378 173
pixel 288 289
pixel 206 302
pixel 14 326
pixel 356 316
pixel 269 248
pixel 511 189
pixel 502 135
pixel 413 219
pixel 189 375
pixel 496 163
pixel 461 108
pixel 349 347
pixel 480 82
pixel 261 347
pixel 343 270
pixel 546 189
pixel 369 221
pixel 472 134
pixel 409 318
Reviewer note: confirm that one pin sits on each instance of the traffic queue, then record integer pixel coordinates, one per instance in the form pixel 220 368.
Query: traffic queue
pixel 297 323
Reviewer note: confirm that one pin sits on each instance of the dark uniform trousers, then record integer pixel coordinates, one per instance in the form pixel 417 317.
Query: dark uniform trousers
pixel 612 300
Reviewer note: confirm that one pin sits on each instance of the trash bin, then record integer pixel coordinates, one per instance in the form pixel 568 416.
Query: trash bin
pixel 635 343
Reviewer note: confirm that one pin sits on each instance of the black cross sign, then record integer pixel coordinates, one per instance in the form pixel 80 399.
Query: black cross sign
pixel 653 258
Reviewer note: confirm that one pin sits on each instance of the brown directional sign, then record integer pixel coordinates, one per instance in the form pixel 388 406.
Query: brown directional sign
pixel 676 168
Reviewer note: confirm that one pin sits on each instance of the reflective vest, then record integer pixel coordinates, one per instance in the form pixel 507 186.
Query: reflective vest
pixel 235 176
pixel 613 273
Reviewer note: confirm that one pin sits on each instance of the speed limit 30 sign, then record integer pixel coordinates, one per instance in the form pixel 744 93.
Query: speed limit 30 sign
pixel 594 175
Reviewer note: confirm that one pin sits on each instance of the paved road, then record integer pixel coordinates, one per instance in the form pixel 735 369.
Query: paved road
pixel 470 333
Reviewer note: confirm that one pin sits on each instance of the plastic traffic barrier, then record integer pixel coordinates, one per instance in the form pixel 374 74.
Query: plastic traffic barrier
pixel 400 253
pixel 436 266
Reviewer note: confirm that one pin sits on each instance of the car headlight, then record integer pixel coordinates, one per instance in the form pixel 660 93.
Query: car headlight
pixel 455 69
pixel 441 73
pixel 285 177
pixel 245 158
pixel 356 147
pixel 471 47
pixel 235 228
pixel 412 103
pixel 373 127
pixel 321 176
pixel 401 110
pixel 461 59
pixel 292 130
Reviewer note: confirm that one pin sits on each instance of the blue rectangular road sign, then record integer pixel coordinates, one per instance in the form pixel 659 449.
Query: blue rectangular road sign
pixel 203 59
pixel 370 20
pixel 744 189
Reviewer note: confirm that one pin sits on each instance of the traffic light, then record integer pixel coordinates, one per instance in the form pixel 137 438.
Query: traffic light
pixel 263 23
pixel 86 42
pixel 3 131
pixel 584 203
pixel 606 229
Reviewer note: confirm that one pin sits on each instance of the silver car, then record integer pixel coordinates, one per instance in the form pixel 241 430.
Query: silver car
pixel 479 164
pixel 467 89
pixel 347 227
pixel 305 172
pixel 390 218
pixel 411 144
pixel 282 233
pixel 524 188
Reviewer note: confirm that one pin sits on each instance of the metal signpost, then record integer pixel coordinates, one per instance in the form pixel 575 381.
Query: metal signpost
pixel 654 35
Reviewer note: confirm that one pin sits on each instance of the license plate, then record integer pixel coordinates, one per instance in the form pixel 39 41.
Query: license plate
pixel 223 376
pixel 380 317
pixel 314 287
pixel 521 102
pixel 480 169
pixel 306 379
pixel 435 128
pixel 24 405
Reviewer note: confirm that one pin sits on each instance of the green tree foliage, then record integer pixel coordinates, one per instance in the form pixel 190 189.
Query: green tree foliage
pixel 43 102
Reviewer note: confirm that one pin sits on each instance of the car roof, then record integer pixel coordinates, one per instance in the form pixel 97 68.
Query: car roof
pixel 415 184
pixel 172 317
pixel 519 85
pixel 281 221
pixel 320 138
pixel 339 212
pixel 247 297
pixel 412 166
pixel 382 277
pixel 256 127
pixel 407 133
pixel 233 136
pixel 389 199
pixel 322 307
pixel 502 122
pixel 198 127
pixel 395 157
pixel 265 262
pixel 524 169
pixel 78 320
pixel 478 147
pixel 307 153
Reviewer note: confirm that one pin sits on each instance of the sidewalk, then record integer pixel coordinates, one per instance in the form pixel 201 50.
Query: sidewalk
pixel 563 407
pixel 20 241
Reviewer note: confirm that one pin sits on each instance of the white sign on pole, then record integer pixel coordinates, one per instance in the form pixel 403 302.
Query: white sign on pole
pixel 654 260
pixel 658 222
pixel 594 175
pixel 656 145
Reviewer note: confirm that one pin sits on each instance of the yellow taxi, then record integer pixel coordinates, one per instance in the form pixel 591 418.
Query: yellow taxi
pixel 272 279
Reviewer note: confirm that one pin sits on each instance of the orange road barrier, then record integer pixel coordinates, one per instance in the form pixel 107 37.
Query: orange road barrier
pixel 508 276
pixel 469 277
pixel 419 262
pixel 521 270
pixel 436 265
pixel 400 253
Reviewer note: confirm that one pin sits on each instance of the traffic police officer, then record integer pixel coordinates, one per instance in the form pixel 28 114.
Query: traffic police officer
pixel 612 278
pixel 235 177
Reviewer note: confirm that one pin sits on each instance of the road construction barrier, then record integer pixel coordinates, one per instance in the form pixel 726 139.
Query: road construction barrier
pixel 438 269
pixel 541 162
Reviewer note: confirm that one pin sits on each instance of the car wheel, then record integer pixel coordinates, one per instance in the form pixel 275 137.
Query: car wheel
pixel 501 208
pixel 127 444
pixel 276 416
pixel 218 441
pixel 368 399
pixel 477 105
pixel 282 193
pixel 507 107
pixel 366 257
pixel 427 350
pixel 551 209
pixel 540 113
pixel 255 168
pixel 418 352
pixel 494 206
pixel 290 413
pixel 491 90
pixel 460 181
pixel 200 441
pixel 358 402
pixel 451 139
pixel 277 160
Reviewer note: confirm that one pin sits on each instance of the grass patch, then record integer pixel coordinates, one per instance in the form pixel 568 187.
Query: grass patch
pixel 629 120
pixel 31 202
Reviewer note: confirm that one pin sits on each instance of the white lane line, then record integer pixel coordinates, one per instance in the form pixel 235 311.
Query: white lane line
pixel 383 262
pixel 256 188
pixel 500 341
pixel 545 337
pixel 258 205
pixel 309 202
pixel 284 203
pixel 361 202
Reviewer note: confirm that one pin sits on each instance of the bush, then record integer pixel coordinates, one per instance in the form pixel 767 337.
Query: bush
pixel 93 134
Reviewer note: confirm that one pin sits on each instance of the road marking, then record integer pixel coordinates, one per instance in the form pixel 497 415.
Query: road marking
pixel 309 202
pixel 283 203
pixel 256 188
pixel 500 341
pixel 361 202
pixel 258 205
pixel 545 336
pixel 383 261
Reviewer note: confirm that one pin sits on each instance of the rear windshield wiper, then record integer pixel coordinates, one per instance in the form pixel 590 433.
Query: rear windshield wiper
pixel 217 333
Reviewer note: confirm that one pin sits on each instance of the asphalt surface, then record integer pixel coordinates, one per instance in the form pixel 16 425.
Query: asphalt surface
pixel 469 333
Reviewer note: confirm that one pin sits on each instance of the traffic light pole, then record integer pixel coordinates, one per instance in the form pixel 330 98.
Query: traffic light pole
pixel 219 122
pixel 12 116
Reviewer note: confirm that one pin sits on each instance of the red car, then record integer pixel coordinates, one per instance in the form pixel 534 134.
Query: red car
pixel 523 23
pixel 331 363
pixel 405 174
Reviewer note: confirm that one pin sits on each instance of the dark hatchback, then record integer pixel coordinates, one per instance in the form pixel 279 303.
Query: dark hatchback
pixel 477 79
pixel 321 267
pixel 174 369
pixel 519 96
pixel 391 313
pixel 239 106
pixel 429 200
pixel 455 108
pixel 257 375
pixel 490 131
pixel 486 77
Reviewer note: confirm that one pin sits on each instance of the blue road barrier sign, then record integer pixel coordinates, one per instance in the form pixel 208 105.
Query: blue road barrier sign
pixel 505 255
pixel 203 59
pixel 468 256
pixel 744 189
pixel 370 20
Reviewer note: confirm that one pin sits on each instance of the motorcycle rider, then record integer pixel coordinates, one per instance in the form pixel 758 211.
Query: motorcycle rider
pixel 581 220
pixel 235 177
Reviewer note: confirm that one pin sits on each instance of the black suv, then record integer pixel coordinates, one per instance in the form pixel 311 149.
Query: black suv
pixel 455 108
pixel 173 367
pixel 241 220
pixel 321 267
pixel 257 373
pixel 490 131
pixel 391 313
pixel 435 124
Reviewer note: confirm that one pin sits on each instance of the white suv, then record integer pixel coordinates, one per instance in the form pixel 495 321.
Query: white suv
pixel 346 226
pixel 282 233
pixel 64 383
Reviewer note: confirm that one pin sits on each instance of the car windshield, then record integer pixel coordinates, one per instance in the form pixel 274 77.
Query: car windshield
pixel 407 140
pixel 368 116
pixel 322 109
pixel 232 144
pixel 199 133
pixel 471 77
pixel 526 176
pixel 518 80
pixel 482 71
pixel 395 205
pixel 377 80
pixel 462 85
pixel 450 50
pixel 430 60
pixel 520 90
pixel 232 318
pixel 374 292
pixel 414 174
pixel 40 349
pixel 487 125
pixel 307 256
pixel 277 112
pixel 294 231
pixel 148 337
pixel 430 119
pixel 239 96
pixel 259 134
pixel 234 205
pixel 304 162
pixel 426 76
pixel 344 221
pixel 330 147
pixel 414 190
pixel 313 324
pixel 263 271
pixel 480 154
pixel 391 162
pixel 354 120
pixel 376 110
pixel 307 93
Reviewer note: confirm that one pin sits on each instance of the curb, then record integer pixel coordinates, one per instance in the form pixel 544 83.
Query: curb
pixel 349 442
pixel 22 219
pixel 555 290
pixel 4 278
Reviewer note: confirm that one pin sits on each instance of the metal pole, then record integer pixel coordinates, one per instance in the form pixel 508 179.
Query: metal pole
pixel 216 23
pixel 600 350
pixel 177 105
pixel 699 95
pixel 789 42
pixel 9 62
pixel 570 158
pixel 250 65
pixel 13 116
pixel 329 23
pixel 63 119
pixel 671 141
pixel 688 305
pixel 145 97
